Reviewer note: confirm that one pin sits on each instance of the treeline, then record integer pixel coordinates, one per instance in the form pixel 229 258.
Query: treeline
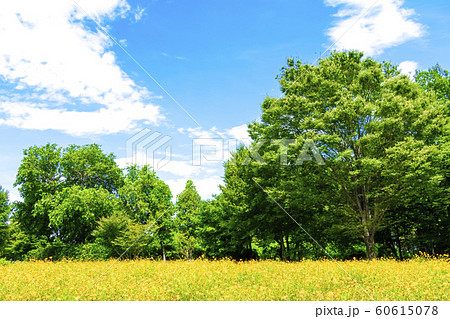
pixel 77 203
pixel 353 159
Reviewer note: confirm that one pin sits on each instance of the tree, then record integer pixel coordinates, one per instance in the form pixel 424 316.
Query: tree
pixel 217 232
pixel 5 208
pixel 187 217
pixel 39 175
pixel 48 169
pixel 121 236
pixel 87 166
pixel 5 211
pixel 244 206
pixel 256 221
pixel 420 219
pixel 147 200
pixel 435 79
pixel 377 131
pixel 74 212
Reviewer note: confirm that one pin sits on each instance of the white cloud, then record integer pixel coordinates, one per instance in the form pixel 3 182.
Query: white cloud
pixel 207 187
pixel 176 57
pixel 7 178
pixel 182 168
pixel 138 14
pixel 199 132
pixel 64 74
pixel 123 42
pixel 239 132
pixel 384 25
pixel 409 68
pixel 176 186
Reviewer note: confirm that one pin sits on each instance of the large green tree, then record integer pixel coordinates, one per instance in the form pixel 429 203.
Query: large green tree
pixel 255 184
pixel 39 175
pixel 187 218
pixel 377 131
pixel 70 177
pixel 74 212
pixel 147 200
pixel 420 219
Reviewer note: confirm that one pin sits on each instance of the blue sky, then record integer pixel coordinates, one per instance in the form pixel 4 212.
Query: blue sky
pixel 64 81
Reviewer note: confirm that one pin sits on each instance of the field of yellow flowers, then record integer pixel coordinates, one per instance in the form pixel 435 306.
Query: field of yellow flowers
pixel 416 279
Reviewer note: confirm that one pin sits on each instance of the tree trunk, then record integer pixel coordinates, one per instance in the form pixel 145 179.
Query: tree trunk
pixel 399 243
pixel 392 245
pixel 163 252
pixel 288 250
pixel 297 250
pixel 369 240
pixel 282 248
pixel 250 250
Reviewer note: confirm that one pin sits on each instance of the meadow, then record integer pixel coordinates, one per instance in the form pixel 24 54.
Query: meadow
pixel 382 279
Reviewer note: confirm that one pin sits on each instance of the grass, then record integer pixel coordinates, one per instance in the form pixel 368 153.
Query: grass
pixel 416 279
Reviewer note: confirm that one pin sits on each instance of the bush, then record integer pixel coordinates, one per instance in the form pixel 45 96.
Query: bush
pixel 118 234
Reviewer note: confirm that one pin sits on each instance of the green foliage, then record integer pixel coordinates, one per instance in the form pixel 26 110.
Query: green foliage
pixel 74 212
pixel 48 169
pixel 144 195
pixel 435 79
pixel 121 236
pixel 88 167
pixel 218 233
pixel 187 219
pixel 5 210
pixel 91 251
pixel 39 175
pixel 420 219
pixel 19 243
pixel 4 262
pixel 147 200
pixel 375 129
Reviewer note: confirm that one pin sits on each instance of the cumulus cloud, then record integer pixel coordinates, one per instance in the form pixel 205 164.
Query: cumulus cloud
pixel 239 132
pixel 372 26
pixel 409 68
pixel 61 74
